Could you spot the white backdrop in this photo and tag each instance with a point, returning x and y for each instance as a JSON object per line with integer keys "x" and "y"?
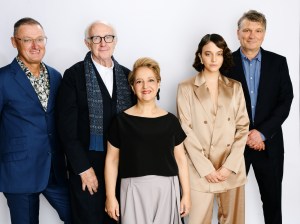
{"x": 169, "y": 31}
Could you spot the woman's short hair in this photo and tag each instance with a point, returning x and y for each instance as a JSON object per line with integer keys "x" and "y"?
{"x": 144, "y": 62}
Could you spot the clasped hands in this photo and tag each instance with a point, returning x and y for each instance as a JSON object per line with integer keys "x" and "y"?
{"x": 218, "y": 175}
{"x": 255, "y": 140}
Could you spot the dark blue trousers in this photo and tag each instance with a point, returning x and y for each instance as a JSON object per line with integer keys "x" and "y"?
{"x": 24, "y": 207}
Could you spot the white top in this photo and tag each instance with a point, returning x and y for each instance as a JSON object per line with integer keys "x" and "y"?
{"x": 107, "y": 75}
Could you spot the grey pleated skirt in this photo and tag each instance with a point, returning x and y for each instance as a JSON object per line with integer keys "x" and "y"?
{"x": 150, "y": 200}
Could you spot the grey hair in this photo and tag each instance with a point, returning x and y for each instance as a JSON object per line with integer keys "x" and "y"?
{"x": 25, "y": 21}
{"x": 253, "y": 16}
{"x": 88, "y": 28}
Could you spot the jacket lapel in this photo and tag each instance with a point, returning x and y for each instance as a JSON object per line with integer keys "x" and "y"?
{"x": 225, "y": 95}
{"x": 264, "y": 79}
{"x": 52, "y": 90}
{"x": 21, "y": 78}
{"x": 202, "y": 94}
{"x": 240, "y": 76}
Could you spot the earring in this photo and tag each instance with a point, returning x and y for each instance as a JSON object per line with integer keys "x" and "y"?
{"x": 157, "y": 94}
{"x": 132, "y": 90}
{"x": 200, "y": 59}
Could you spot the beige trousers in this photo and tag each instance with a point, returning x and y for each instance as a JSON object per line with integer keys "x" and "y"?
{"x": 231, "y": 207}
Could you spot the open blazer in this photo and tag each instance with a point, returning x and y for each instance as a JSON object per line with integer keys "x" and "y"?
{"x": 274, "y": 99}
{"x": 213, "y": 140}
{"x": 28, "y": 142}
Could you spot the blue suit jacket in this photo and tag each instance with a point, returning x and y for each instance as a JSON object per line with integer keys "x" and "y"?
{"x": 28, "y": 145}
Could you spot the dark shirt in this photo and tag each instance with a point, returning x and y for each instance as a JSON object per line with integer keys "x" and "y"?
{"x": 146, "y": 144}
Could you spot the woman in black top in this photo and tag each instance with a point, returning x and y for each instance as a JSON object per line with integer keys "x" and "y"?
{"x": 145, "y": 147}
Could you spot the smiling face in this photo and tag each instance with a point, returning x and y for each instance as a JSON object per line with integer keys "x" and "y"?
{"x": 32, "y": 53}
{"x": 251, "y": 35}
{"x": 211, "y": 57}
{"x": 103, "y": 51}
{"x": 145, "y": 84}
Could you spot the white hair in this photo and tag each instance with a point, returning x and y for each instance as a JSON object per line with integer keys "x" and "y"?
{"x": 88, "y": 28}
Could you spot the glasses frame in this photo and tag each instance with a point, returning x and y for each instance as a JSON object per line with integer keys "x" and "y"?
{"x": 102, "y": 38}
{"x": 31, "y": 40}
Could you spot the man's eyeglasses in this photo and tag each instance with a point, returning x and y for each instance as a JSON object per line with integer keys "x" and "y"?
{"x": 41, "y": 41}
{"x": 98, "y": 39}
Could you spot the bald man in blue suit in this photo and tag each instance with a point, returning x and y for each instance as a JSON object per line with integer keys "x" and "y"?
{"x": 30, "y": 160}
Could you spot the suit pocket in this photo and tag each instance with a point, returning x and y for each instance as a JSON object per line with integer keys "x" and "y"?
{"x": 14, "y": 156}
{"x": 15, "y": 150}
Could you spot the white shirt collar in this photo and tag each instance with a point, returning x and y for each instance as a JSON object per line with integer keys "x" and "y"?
{"x": 106, "y": 74}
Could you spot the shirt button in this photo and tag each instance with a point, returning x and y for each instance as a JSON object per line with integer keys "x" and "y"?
{"x": 205, "y": 122}
{"x": 228, "y": 145}
{"x": 228, "y": 119}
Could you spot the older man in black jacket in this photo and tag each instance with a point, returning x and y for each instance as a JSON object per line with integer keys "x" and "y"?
{"x": 91, "y": 93}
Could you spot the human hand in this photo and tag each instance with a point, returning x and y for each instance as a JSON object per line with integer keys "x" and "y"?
{"x": 224, "y": 173}
{"x": 213, "y": 177}
{"x": 185, "y": 205}
{"x": 89, "y": 180}
{"x": 255, "y": 140}
{"x": 259, "y": 147}
{"x": 112, "y": 208}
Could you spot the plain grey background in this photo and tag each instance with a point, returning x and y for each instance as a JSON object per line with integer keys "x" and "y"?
{"x": 168, "y": 31}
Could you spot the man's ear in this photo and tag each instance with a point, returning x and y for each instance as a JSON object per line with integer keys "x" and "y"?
{"x": 88, "y": 44}
{"x": 13, "y": 42}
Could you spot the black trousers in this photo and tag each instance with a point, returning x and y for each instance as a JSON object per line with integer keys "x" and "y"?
{"x": 268, "y": 171}
{"x": 87, "y": 208}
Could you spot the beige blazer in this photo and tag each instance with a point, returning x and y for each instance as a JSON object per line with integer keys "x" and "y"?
{"x": 213, "y": 139}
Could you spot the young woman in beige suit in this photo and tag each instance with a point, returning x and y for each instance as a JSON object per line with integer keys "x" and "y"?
{"x": 212, "y": 112}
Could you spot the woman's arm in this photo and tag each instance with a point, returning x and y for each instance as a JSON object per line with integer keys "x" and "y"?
{"x": 110, "y": 175}
{"x": 181, "y": 161}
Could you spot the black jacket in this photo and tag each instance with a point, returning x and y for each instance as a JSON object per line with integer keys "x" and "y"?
{"x": 73, "y": 115}
{"x": 275, "y": 95}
